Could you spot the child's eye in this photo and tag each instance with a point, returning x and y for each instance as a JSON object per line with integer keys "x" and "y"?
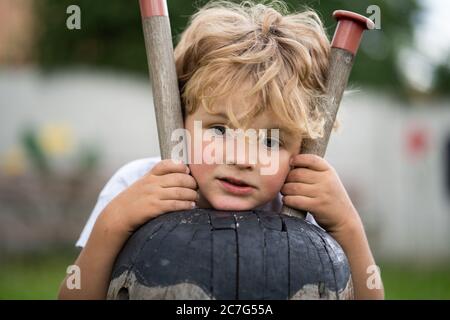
{"x": 218, "y": 130}
{"x": 271, "y": 142}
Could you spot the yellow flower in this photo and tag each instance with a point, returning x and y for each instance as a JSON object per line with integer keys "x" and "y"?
{"x": 56, "y": 139}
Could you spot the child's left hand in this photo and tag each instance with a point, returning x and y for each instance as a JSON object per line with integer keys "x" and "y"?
{"x": 313, "y": 185}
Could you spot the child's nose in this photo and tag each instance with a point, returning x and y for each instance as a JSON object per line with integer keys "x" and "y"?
{"x": 244, "y": 156}
{"x": 241, "y": 163}
{"x": 245, "y": 165}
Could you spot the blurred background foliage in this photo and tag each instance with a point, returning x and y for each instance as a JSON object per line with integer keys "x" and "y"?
{"x": 111, "y": 37}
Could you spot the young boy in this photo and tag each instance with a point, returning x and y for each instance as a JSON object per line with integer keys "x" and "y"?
{"x": 239, "y": 66}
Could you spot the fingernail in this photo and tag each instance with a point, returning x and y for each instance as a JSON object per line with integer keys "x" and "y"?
{"x": 193, "y": 204}
{"x": 187, "y": 170}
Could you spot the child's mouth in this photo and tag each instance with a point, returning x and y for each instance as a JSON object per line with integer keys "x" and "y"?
{"x": 235, "y": 186}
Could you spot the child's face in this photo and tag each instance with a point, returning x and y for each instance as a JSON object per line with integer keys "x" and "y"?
{"x": 260, "y": 189}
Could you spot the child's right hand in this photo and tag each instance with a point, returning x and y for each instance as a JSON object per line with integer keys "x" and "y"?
{"x": 167, "y": 187}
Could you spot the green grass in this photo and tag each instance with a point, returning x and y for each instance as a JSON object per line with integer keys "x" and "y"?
{"x": 35, "y": 276}
{"x": 38, "y": 276}
{"x": 409, "y": 282}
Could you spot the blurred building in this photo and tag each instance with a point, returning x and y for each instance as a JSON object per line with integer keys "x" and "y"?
{"x": 394, "y": 160}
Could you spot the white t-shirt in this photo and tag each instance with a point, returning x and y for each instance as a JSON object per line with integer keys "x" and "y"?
{"x": 126, "y": 176}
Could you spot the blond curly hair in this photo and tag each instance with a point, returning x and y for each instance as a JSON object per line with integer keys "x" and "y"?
{"x": 283, "y": 56}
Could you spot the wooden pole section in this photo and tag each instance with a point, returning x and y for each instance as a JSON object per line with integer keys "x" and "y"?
{"x": 344, "y": 46}
{"x": 161, "y": 63}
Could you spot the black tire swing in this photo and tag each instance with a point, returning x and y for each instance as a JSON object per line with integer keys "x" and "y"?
{"x": 208, "y": 254}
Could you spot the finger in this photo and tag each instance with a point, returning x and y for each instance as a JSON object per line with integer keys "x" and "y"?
{"x": 178, "y": 193}
{"x": 176, "y": 205}
{"x": 169, "y": 166}
{"x": 299, "y": 189}
{"x": 308, "y": 160}
{"x": 303, "y": 175}
{"x": 299, "y": 202}
{"x": 178, "y": 180}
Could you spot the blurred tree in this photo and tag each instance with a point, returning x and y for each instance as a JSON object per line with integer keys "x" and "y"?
{"x": 111, "y": 35}
{"x": 376, "y": 64}
{"x": 442, "y": 77}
